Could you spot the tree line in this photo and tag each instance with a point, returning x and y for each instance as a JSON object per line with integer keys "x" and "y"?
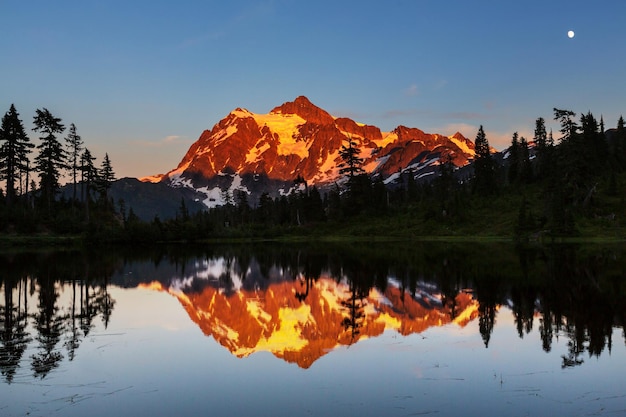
{"x": 552, "y": 183}
{"x": 28, "y": 205}
{"x": 575, "y": 174}
{"x": 548, "y": 184}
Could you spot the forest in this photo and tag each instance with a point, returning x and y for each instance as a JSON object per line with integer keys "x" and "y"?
{"x": 571, "y": 186}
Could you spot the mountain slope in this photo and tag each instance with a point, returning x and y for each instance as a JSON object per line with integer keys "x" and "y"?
{"x": 266, "y": 152}
{"x": 154, "y": 200}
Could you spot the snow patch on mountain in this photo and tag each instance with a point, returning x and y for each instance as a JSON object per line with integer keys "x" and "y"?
{"x": 256, "y": 153}
{"x": 214, "y": 196}
{"x": 392, "y": 178}
{"x": 388, "y": 138}
{"x": 286, "y": 127}
{"x": 462, "y": 145}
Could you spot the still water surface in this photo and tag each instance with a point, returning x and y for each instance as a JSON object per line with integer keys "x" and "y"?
{"x": 367, "y": 330}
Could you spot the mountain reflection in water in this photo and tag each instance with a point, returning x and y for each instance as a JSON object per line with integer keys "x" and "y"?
{"x": 302, "y": 303}
{"x": 301, "y": 329}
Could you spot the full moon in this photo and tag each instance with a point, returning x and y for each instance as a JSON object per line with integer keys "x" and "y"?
{"x": 570, "y": 34}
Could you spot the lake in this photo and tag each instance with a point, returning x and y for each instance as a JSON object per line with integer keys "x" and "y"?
{"x": 368, "y": 329}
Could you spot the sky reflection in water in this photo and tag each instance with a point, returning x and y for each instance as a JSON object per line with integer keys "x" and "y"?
{"x": 152, "y": 359}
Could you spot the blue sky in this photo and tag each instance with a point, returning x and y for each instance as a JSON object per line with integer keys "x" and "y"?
{"x": 142, "y": 79}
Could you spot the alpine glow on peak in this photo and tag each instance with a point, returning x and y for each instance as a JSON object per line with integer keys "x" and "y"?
{"x": 297, "y": 139}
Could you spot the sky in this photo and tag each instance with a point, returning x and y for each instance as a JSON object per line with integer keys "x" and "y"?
{"x": 142, "y": 79}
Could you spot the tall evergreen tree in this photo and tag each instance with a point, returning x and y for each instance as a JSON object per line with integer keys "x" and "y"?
{"x": 550, "y": 139}
{"x": 314, "y": 206}
{"x": 265, "y": 210}
{"x": 14, "y": 149}
{"x": 106, "y": 176}
{"x": 52, "y": 157}
{"x": 443, "y": 185}
{"x": 242, "y": 205}
{"x": 88, "y": 173}
{"x": 88, "y": 177}
{"x": 358, "y": 183}
{"x": 351, "y": 162}
{"x": 74, "y": 145}
{"x": 575, "y": 164}
{"x": 619, "y": 143}
{"x": 568, "y": 125}
{"x": 514, "y": 159}
{"x": 543, "y": 148}
{"x": 484, "y": 166}
{"x": 594, "y": 142}
{"x": 601, "y": 124}
{"x": 525, "y": 169}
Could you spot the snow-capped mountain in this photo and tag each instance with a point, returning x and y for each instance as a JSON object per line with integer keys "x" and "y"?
{"x": 300, "y": 321}
{"x": 266, "y": 152}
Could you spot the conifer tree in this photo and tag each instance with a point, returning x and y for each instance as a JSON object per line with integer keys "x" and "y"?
{"x": 265, "y": 210}
{"x": 514, "y": 158}
{"x": 74, "y": 145}
{"x": 601, "y": 124}
{"x": 183, "y": 211}
{"x": 314, "y": 205}
{"x": 619, "y": 144}
{"x": 594, "y": 142}
{"x": 358, "y": 183}
{"x": 52, "y": 157}
{"x": 443, "y": 185}
{"x": 88, "y": 173}
{"x": 88, "y": 176}
{"x": 525, "y": 169}
{"x": 351, "y": 162}
{"x": 568, "y": 125}
{"x": 484, "y": 166}
{"x": 543, "y": 148}
{"x": 14, "y": 149}
{"x": 106, "y": 176}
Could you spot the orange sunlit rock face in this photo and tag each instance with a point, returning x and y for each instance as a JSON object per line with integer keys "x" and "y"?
{"x": 300, "y": 139}
{"x": 275, "y": 320}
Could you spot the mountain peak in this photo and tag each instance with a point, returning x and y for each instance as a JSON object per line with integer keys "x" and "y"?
{"x": 264, "y": 153}
{"x": 303, "y": 107}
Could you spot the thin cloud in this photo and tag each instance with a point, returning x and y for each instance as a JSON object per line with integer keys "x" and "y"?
{"x": 497, "y": 139}
{"x": 412, "y": 91}
{"x": 171, "y": 140}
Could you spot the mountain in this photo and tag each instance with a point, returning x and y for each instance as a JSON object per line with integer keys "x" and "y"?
{"x": 301, "y": 321}
{"x": 148, "y": 200}
{"x": 260, "y": 153}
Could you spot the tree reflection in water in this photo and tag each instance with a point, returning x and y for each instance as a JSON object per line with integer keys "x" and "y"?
{"x": 45, "y": 274}
{"x": 574, "y": 292}
{"x": 15, "y": 337}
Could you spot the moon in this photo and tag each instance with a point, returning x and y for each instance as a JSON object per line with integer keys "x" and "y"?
{"x": 570, "y": 34}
